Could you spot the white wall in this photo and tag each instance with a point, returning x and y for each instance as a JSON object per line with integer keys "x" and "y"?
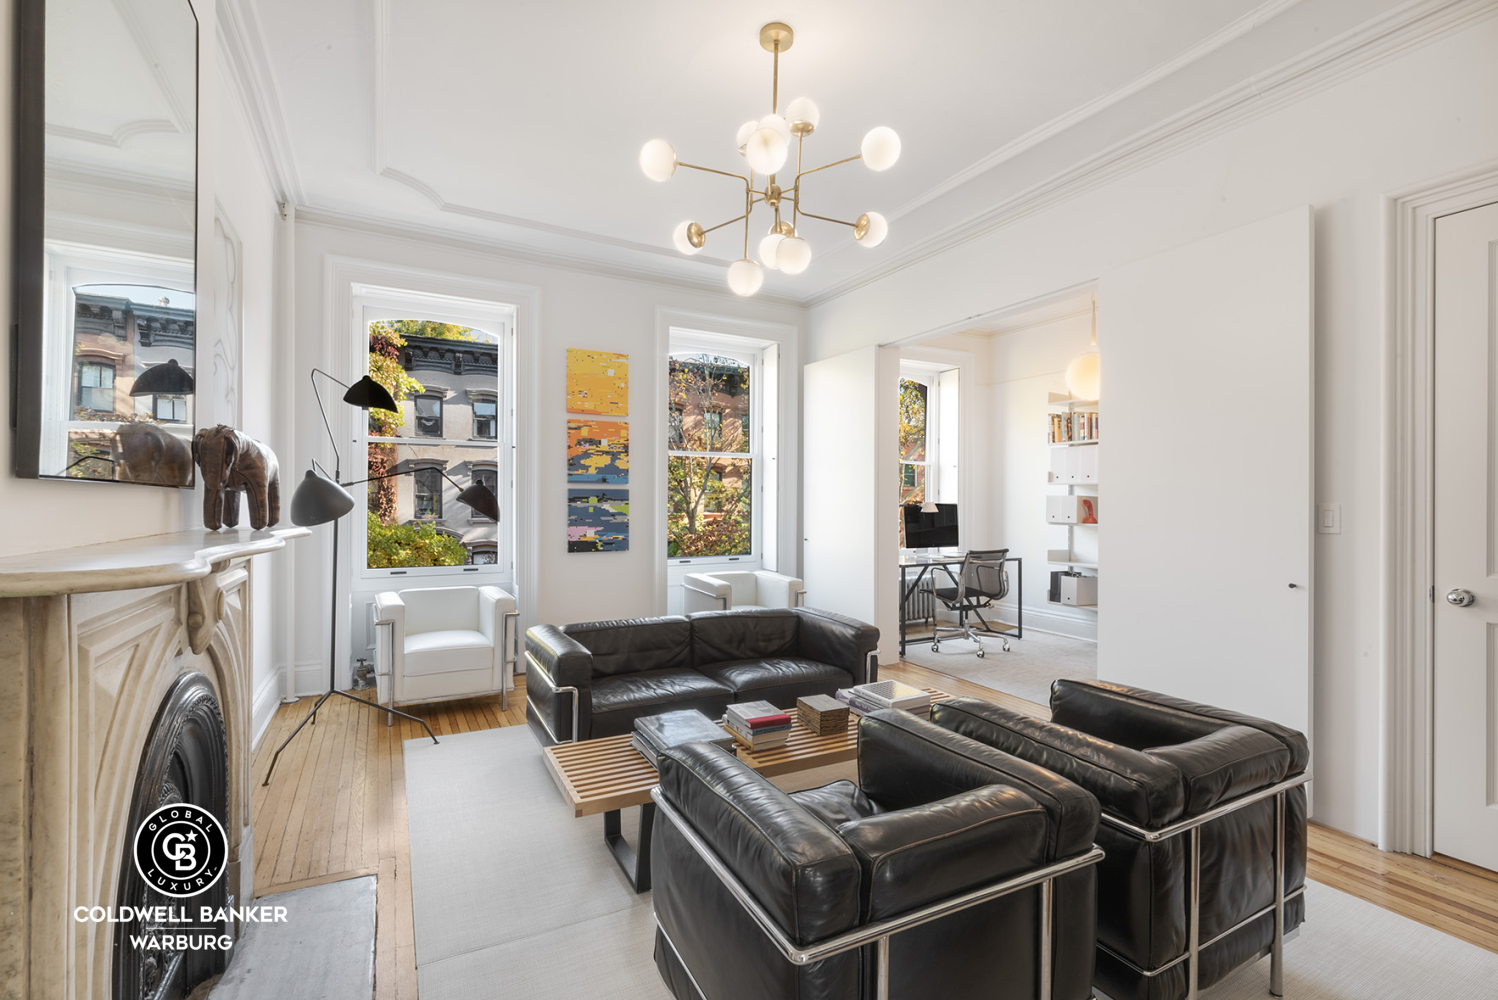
{"x": 574, "y": 308}
{"x": 1428, "y": 113}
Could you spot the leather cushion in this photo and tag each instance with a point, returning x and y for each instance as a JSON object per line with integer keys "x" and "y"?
{"x": 1135, "y": 786}
{"x": 777, "y": 679}
{"x": 832, "y": 638}
{"x": 447, "y": 651}
{"x": 633, "y": 645}
{"x": 742, "y": 634}
{"x": 1223, "y": 765}
{"x": 911, "y": 857}
{"x": 654, "y": 689}
{"x": 836, "y": 803}
{"x": 1121, "y": 713}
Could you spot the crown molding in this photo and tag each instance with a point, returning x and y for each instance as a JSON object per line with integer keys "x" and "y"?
{"x": 490, "y": 248}
{"x": 1370, "y": 44}
{"x": 246, "y": 65}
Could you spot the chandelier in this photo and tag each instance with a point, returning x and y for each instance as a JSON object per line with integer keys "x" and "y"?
{"x": 765, "y": 144}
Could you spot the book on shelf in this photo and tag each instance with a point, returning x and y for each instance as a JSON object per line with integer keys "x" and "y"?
{"x": 1070, "y": 428}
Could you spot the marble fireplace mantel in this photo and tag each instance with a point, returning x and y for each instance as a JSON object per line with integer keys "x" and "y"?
{"x": 91, "y": 640}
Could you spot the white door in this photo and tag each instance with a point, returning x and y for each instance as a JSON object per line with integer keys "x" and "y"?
{"x": 1204, "y": 534}
{"x": 1466, "y": 542}
{"x": 850, "y": 491}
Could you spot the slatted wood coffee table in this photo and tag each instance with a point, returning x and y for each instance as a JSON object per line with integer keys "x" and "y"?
{"x": 607, "y": 775}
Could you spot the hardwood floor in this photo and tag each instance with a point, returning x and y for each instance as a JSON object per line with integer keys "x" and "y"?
{"x": 336, "y": 809}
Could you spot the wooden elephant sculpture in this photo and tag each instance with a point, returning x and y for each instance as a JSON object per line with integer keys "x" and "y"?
{"x": 149, "y": 453}
{"x": 234, "y": 463}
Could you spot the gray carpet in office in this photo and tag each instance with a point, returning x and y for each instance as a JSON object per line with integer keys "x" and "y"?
{"x": 514, "y": 898}
{"x": 1026, "y": 671}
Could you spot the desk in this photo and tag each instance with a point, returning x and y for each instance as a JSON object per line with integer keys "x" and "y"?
{"x": 924, "y": 565}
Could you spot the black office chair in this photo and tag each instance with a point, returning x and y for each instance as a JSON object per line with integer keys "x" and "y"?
{"x": 981, "y": 581}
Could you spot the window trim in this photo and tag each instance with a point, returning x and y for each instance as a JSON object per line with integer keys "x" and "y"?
{"x": 752, "y": 352}
{"x": 371, "y": 303}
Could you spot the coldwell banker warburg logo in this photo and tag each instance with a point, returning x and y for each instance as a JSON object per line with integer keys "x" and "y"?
{"x": 181, "y": 850}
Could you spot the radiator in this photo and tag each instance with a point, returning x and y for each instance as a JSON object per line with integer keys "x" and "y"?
{"x": 921, "y": 605}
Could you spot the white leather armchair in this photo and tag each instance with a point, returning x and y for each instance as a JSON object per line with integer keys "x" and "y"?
{"x": 437, "y": 643}
{"x": 740, "y": 589}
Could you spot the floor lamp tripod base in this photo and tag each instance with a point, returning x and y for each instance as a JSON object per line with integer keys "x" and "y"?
{"x": 333, "y": 682}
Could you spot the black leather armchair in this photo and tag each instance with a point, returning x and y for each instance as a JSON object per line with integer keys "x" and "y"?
{"x": 593, "y": 679}
{"x": 950, "y": 870}
{"x": 1204, "y": 827}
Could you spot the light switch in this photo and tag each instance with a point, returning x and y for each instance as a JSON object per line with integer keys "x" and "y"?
{"x": 1329, "y": 518}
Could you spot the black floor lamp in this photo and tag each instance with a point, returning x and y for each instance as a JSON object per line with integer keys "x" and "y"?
{"x": 320, "y": 500}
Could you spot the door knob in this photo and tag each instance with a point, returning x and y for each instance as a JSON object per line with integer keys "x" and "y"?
{"x": 1461, "y": 598}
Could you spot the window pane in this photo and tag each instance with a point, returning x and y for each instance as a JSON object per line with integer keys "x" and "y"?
{"x": 708, "y": 507}
{"x": 485, "y": 418}
{"x": 96, "y": 387}
{"x": 428, "y": 416}
{"x": 912, "y": 421}
{"x": 489, "y": 478}
{"x": 428, "y": 483}
{"x": 711, "y": 395}
{"x": 912, "y": 483}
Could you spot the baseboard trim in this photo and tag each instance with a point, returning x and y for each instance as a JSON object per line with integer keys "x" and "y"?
{"x": 309, "y": 677}
{"x": 1073, "y": 625}
{"x": 263, "y": 706}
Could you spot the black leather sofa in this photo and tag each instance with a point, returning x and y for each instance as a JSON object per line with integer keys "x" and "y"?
{"x": 613, "y": 672}
{"x": 1159, "y": 765}
{"x": 934, "y": 816}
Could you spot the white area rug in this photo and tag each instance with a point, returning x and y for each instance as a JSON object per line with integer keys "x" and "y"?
{"x": 1026, "y": 671}
{"x": 514, "y": 898}
{"x": 324, "y": 950}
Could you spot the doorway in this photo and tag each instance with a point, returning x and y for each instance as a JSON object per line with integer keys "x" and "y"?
{"x": 1465, "y": 546}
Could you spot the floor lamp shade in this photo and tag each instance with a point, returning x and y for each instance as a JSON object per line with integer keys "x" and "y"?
{"x": 367, "y": 394}
{"x": 168, "y": 378}
{"x": 482, "y": 499}
{"x": 319, "y": 500}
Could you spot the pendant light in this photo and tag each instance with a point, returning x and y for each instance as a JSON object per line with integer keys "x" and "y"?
{"x": 1082, "y": 373}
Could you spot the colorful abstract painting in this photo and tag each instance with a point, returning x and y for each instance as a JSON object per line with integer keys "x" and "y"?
{"x": 597, "y": 451}
{"x": 597, "y": 382}
{"x": 597, "y": 520}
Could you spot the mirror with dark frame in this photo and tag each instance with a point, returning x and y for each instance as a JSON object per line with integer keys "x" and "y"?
{"x": 104, "y": 353}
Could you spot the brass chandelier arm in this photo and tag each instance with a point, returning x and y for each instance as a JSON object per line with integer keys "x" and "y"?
{"x": 710, "y": 170}
{"x": 736, "y": 218}
{"x": 824, "y": 218}
{"x": 834, "y": 163}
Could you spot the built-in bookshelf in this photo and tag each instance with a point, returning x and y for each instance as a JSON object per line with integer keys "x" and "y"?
{"x": 1072, "y": 435}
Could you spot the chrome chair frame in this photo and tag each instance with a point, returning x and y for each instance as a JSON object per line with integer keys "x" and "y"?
{"x": 509, "y": 629}
{"x": 1193, "y": 828}
{"x": 879, "y": 933}
{"x": 534, "y": 664}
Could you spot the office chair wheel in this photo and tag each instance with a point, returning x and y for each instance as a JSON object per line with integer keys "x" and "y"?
{"x": 936, "y": 647}
{"x": 980, "y": 651}
{"x": 1006, "y": 645}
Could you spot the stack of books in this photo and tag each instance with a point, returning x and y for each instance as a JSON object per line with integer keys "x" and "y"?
{"x": 758, "y": 725}
{"x": 822, "y": 715}
{"x": 866, "y": 698}
{"x": 655, "y": 734}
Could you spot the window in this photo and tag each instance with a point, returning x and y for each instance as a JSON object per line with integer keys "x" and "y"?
{"x": 711, "y": 470}
{"x": 485, "y": 419}
{"x": 170, "y": 409}
{"x": 485, "y": 477}
{"x": 413, "y": 525}
{"x": 429, "y": 416}
{"x": 428, "y": 485}
{"x": 96, "y": 386}
{"x": 914, "y": 452}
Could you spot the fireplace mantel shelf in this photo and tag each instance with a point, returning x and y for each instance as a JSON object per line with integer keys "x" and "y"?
{"x": 152, "y": 561}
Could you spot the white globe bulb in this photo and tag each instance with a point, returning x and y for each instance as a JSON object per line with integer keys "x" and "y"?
{"x": 767, "y": 250}
{"x": 877, "y": 230}
{"x": 793, "y": 255}
{"x": 1082, "y": 376}
{"x": 880, "y": 148}
{"x": 745, "y": 277}
{"x": 766, "y": 151}
{"x": 745, "y": 131}
{"x": 658, "y": 159}
{"x": 679, "y": 237}
{"x": 804, "y": 109}
{"x": 777, "y": 123}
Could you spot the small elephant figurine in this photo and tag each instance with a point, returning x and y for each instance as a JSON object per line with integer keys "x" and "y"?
{"x": 151, "y": 454}
{"x": 234, "y": 463}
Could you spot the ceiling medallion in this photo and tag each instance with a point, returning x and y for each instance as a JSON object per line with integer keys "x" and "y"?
{"x": 766, "y": 144}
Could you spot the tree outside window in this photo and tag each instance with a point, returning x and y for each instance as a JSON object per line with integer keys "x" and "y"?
{"x": 914, "y": 462}
{"x": 709, "y": 476}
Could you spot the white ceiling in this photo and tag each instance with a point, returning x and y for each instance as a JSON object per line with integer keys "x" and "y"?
{"x": 522, "y": 121}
